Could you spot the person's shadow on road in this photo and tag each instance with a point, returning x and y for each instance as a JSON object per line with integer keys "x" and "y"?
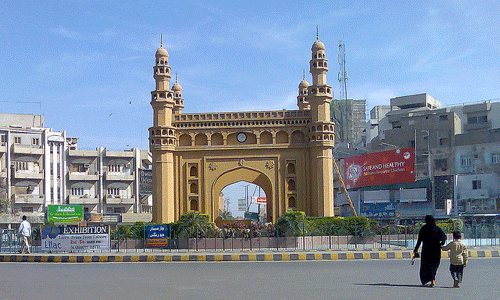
{"x": 399, "y": 285}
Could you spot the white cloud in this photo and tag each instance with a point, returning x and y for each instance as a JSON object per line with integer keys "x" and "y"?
{"x": 67, "y": 33}
{"x": 103, "y": 35}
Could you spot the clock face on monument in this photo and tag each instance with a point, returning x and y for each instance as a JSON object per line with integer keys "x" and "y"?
{"x": 241, "y": 137}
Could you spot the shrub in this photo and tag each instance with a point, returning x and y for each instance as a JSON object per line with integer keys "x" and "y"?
{"x": 291, "y": 222}
{"x": 194, "y": 224}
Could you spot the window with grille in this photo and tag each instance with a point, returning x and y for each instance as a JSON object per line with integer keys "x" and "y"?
{"x": 466, "y": 161}
{"x": 115, "y": 168}
{"x": 114, "y": 191}
{"x": 77, "y": 191}
{"x": 495, "y": 158}
{"x": 21, "y": 165}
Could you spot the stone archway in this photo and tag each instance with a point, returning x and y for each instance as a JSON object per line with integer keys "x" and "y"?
{"x": 242, "y": 174}
{"x": 288, "y": 153}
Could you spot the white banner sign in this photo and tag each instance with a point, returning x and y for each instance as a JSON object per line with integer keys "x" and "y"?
{"x": 75, "y": 239}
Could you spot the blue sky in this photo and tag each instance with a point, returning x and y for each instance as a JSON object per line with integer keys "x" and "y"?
{"x": 89, "y": 63}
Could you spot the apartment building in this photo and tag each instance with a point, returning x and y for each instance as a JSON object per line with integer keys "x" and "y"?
{"x": 40, "y": 167}
{"x": 106, "y": 181}
{"x": 457, "y": 152}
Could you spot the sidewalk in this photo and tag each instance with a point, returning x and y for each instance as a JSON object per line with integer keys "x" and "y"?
{"x": 226, "y": 256}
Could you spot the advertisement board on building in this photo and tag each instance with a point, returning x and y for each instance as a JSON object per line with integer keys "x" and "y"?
{"x": 259, "y": 200}
{"x": 380, "y": 168}
{"x": 75, "y": 238}
{"x": 146, "y": 182}
{"x": 378, "y": 210}
{"x": 157, "y": 235}
{"x": 64, "y": 214}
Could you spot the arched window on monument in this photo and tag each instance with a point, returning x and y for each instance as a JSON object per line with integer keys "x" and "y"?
{"x": 217, "y": 139}
{"x": 193, "y": 188}
{"x": 281, "y": 137}
{"x": 193, "y": 205}
{"x": 266, "y": 138}
{"x": 298, "y": 137}
{"x": 200, "y": 140}
{"x": 291, "y": 202}
{"x": 193, "y": 171}
{"x": 185, "y": 140}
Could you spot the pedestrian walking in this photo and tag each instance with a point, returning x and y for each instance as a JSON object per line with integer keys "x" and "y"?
{"x": 458, "y": 258}
{"x": 432, "y": 239}
{"x": 25, "y": 232}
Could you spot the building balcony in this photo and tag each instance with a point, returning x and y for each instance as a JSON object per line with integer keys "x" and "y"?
{"x": 112, "y": 199}
{"x": 3, "y": 147}
{"x": 28, "y": 199}
{"x": 476, "y": 194}
{"x": 480, "y": 107}
{"x": 27, "y": 149}
{"x": 83, "y": 176}
{"x": 83, "y": 153}
{"x": 129, "y": 154}
{"x": 477, "y": 126}
{"x": 83, "y": 200}
{"x": 116, "y": 176}
{"x": 21, "y": 174}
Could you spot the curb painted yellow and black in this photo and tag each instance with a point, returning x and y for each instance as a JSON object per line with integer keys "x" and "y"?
{"x": 348, "y": 255}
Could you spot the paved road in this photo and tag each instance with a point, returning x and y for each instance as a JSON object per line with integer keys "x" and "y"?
{"x": 361, "y": 279}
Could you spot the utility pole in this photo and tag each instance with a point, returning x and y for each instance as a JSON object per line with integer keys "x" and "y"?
{"x": 342, "y": 77}
{"x": 342, "y": 184}
{"x": 429, "y": 168}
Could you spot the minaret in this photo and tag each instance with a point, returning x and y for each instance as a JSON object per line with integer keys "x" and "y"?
{"x": 162, "y": 141}
{"x": 302, "y": 102}
{"x": 321, "y": 133}
{"x": 179, "y": 102}
{"x": 319, "y": 92}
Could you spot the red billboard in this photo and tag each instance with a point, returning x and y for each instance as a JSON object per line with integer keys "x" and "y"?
{"x": 380, "y": 168}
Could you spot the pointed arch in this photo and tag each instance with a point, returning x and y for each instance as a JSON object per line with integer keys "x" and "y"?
{"x": 200, "y": 140}
{"x": 242, "y": 174}
{"x": 281, "y": 137}
{"x": 298, "y": 137}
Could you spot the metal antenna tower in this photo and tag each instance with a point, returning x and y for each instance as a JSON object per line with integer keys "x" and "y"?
{"x": 342, "y": 76}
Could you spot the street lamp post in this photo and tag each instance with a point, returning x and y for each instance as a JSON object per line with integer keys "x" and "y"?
{"x": 429, "y": 166}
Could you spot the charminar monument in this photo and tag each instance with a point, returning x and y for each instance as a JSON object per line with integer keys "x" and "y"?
{"x": 288, "y": 153}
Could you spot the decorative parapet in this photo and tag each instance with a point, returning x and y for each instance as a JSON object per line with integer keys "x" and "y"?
{"x": 243, "y": 119}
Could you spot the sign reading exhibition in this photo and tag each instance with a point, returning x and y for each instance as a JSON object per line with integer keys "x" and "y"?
{"x": 75, "y": 238}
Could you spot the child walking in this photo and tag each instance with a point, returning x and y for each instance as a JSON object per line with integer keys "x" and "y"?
{"x": 458, "y": 258}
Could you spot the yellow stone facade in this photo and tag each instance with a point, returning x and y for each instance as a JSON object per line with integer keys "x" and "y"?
{"x": 288, "y": 153}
